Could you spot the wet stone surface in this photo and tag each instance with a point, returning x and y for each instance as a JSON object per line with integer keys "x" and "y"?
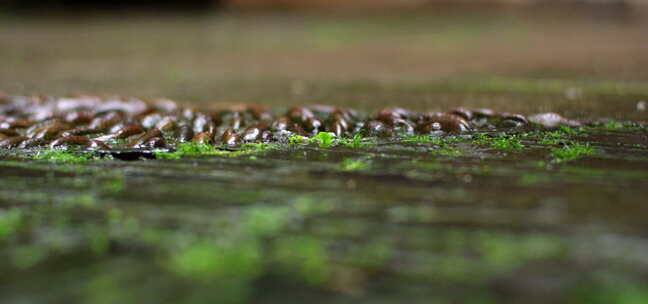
{"x": 247, "y": 204}
{"x": 93, "y": 123}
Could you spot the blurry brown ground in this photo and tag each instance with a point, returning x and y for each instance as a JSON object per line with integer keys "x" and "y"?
{"x": 340, "y": 57}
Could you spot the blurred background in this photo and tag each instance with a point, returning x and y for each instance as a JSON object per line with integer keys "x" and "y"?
{"x": 585, "y": 57}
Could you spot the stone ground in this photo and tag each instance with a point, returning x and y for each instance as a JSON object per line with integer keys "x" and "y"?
{"x": 523, "y": 215}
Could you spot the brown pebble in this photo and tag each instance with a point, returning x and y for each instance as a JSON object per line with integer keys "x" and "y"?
{"x": 50, "y": 131}
{"x": 512, "y": 120}
{"x": 82, "y": 131}
{"x": 167, "y": 124}
{"x": 448, "y": 123}
{"x": 203, "y": 138}
{"x": 144, "y": 138}
{"x": 96, "y": 144}
{"x": 299, "y": 114}
{"x": 79, "y": 117}
{"x": 463, "y": 112}
{"x": 230, "y": 138}
{"x": 155, "y": 142}
{"x": 552, "y": 120}
{"x": 260, "y": 112}
{"x": 70, "y": 140}
{"x": 251, "y": 134}
{"x": 184, "y": 133}
{"x": 149, "y": 121}
{"x": 483, "y": 113}
{"x": 106, "y": 121}
{"x": 403, "y": 126}
{"x": 128, "y": 131}
{"x": 202, "y": 123}
{"x": 266, "y": 136}
{"x": 388, "y": 115}
{"x": 8, "y": 132}
{"x": 33, "y": 142}
{"x": 16, "y": 124}
{"x": 280, "y": 124}
{"x": 313, "y": 125}
{"x": 297, "y": 128}
{"x": 12, "y": 142}
{"x": 337, "y": 128}
{"x": 375, "y": 128}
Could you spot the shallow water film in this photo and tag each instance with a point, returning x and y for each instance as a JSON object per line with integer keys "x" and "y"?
{"x": 492, "y": 208}
{"x": 446, "y": 174}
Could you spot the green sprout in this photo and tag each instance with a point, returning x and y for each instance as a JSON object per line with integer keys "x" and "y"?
{"x": 324, "y": 139}
{"x": 571, "y": 152}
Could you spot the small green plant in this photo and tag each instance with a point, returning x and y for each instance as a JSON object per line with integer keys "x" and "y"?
{"x": 613, "y": 125}
{"x": 349, "y": 164}
{"x": 568, "y": 130}
{"x": 65, "y": 157}
{"x": 324, "y": 139}
{"x": 571, "y": 152}
{"x": 297, "y": 139}
{"x": 357, "y": 141}
{"x": 552, "y": 138}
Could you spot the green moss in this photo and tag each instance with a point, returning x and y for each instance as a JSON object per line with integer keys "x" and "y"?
{"x": 83, "y": 200}
{"x": 447, "y": 150}
{"x": 508, "y": 251}
{"x": 610, "y": 288}
{"x": 530, "y": 179}
{"x": 429, "y": 139}
{"x": 423, "y": 139}
{"x": 206, "y": 260}
{"x": 614, "y": 125}
{"x": 187, "y": 149}
{"x": 304, "y": 256}
{"x": 266, "y": 220}
{"x": 197, "y": 149}
{"x": 114, "y": 186}
{"x": 10, "y": 220}
{"x": 553, "y": 137}
{"x": 307, "y": 206}
{"x": 507, "y": 143}
{"x": 349, "y": 164}
{"x": 65, "y": 157}
{"x": 571, "y": 152}
{"x": 24, "y": 257}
